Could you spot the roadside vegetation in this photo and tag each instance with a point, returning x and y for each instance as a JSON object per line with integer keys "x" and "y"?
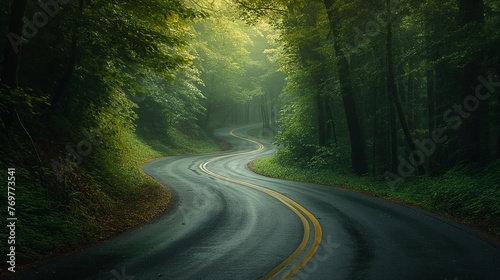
{"x": 99, "y": 89}
{"x": 349, "y": 87}
{"x": 395, "y": 98}
{"x": 104, "y": 195}
{"x": 466, "y": 193}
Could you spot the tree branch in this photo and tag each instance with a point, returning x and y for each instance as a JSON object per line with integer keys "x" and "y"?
{"x": 259, "y": 9}
{"x": 202, "y": 7}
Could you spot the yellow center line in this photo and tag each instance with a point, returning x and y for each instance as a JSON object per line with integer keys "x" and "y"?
{"x": 294, "y": 206}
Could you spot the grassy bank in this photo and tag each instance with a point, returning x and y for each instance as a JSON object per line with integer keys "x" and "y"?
{"x": 106, "y": 193}
{"x": 467, "y": 194}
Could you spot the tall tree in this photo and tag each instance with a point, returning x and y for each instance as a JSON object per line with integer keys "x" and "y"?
{"x": 471, "y": 20}
{"x": 60, "y": 98}
{"x": 357, "y": 140}
{"x": 12, "y": 52}
{"x": 391, "y": 83}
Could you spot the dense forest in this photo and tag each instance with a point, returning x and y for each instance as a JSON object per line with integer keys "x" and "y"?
{"x": 388, "y": 91}
{"x": 414, "y": 82}
{"x": 405, "y": 94}
{"x": 91, "y": 90}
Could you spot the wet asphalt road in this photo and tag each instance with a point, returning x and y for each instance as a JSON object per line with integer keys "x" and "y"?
{"x": 235, "y": 224}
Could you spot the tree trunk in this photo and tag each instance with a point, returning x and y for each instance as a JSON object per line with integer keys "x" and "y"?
{"x": 393, "y": 90}
{"x": 234, "y": 117}
{"x": 357, "y": 140}
{"x": 12, "y": 49}
{"x": 273, "y": 115}
{"x": 432, "y": 116}
{"x": 330, "y": 125}
{"x": 321, "y": 120}
{"x": 497, "y": 124}
{"x": 61, "y": 99}
{"x": 394, "y": 136}
{"x": 411, "y": 98}
{"x": 431, "y": 94}
{"x": 385, "y": 135}
{"x": 265, "y": 113}
{"x": 471, "y": 11}
{"x": 208, "y": 114}
{"x": 446, "y": 90}
{"x": 374, "y": 131}
{"x": 247, "y": 112}
{"x": 12, "y": 52}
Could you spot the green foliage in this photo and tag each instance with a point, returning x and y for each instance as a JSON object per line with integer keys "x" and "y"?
{"x": 115, "y": 163}
{"x": 251, "y": 11}
{"x": 54, "y": 217}
{"x": 146, "y": 75}
{"x": 158, "y": 29}
{"x": 86, "y": 69}
{"x": 42, "y": 224}
{"x": 294, "y": 138}
{"x": 222, "y": 58}
{"x": 330, "y": 158}
{"x": 230, "y": 58}
{"x": 23, "y": 100}
{"x": 296, "y": 135}
{"x": 170, "y": 104}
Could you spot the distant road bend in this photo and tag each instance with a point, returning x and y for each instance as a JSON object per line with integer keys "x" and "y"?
{"x": 230, "y": 223}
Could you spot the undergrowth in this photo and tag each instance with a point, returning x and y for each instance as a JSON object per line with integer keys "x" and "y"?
{"x": 469, "y": 194}
{"x": 103, "y": 195}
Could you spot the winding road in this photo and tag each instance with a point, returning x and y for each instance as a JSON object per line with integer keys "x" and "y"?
{"x": 230, "y": 223}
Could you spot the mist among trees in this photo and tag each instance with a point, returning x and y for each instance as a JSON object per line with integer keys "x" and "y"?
{"x": 387, "y": 89}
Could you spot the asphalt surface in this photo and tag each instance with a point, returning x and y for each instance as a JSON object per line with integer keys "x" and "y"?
{"x": 227, "y": 222}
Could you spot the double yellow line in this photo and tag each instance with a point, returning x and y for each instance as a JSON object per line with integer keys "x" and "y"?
{"x": 294, "y": 206}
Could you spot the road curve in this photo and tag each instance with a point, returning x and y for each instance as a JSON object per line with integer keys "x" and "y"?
{"x": 227, "y": 222}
